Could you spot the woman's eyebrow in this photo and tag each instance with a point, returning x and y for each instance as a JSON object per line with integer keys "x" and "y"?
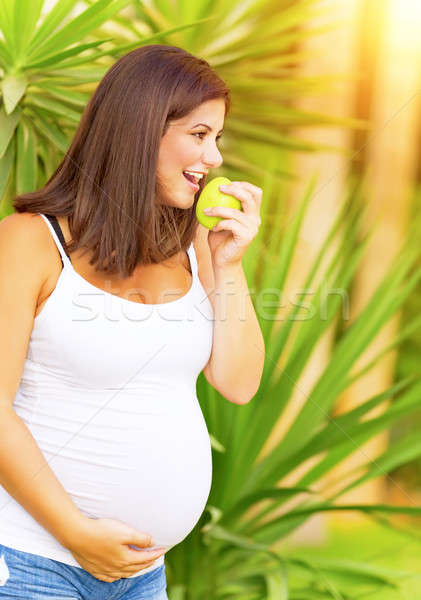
{"x": 204, "y": 125}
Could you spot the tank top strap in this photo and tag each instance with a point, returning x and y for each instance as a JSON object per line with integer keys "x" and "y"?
{"x": 58, "y": 237}
{"x": 193, "y": 260}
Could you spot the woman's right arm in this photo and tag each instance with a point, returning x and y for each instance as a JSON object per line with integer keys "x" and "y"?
{"x": 24, "y": 472}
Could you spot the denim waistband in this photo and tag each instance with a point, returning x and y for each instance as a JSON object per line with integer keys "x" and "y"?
{"x": 28, "y": 576}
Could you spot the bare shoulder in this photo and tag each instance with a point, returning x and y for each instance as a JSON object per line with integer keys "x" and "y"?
{"x": 23, "y": 267}
{"x": 21, "y": 225}
{"x": 25, "y": 245}
{"x": 26, "y": 229}
{"x": 204, "y": 260}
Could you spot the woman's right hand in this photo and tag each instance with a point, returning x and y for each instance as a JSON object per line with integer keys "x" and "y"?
{"x": 100, "y": 546}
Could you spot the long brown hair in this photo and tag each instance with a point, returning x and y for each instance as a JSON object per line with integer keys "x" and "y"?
{"x": 106, "y": 183}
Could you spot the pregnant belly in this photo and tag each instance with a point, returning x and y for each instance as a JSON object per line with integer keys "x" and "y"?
{"x": 147, "y": 463}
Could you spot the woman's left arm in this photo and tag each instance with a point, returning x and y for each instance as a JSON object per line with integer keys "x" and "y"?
{"x": 236, "y": 364}
{"x": 238, "y": 351}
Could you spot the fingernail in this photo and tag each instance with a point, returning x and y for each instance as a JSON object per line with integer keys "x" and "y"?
{"x": 207, "y": 210}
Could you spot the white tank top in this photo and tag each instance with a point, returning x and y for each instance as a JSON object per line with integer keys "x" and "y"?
{"x": 108, "y": 391}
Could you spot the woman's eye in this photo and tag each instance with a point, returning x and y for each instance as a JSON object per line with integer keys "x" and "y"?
{"x": 218, "y": 137}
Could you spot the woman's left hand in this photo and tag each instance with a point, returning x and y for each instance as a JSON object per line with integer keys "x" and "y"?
{"x": 231, "y": 237}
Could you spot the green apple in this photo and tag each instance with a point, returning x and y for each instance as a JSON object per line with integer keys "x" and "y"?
{"x": 212, "y": 196}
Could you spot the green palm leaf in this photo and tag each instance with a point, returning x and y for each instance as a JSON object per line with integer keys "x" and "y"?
{"x": 80, "y": 26}
{"x": 6, "y": 162}
{"x": 26, "y": 157}
{"x": 8, "y": 125}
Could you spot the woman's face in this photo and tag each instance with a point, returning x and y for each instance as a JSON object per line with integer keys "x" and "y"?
{"x": 188, "y": 145}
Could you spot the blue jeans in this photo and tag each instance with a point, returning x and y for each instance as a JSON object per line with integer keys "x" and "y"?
{"x": 27, "y": 576}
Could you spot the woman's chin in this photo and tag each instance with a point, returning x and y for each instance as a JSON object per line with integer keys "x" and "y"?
{"x": 183, "y": 201}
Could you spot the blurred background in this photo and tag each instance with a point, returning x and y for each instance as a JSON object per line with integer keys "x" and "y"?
{"x": 326, "y": 118}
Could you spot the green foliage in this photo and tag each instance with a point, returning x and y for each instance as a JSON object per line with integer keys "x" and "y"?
{"x": 407, "y": 364}
{"x": 393, "y": 553}
{"x": 38, "y": 111}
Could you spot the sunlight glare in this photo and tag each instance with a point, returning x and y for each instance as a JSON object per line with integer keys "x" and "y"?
{"x": 405, "y": 23}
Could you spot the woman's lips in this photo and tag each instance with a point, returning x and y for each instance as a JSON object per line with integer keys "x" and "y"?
{"x": 193, "y": 186}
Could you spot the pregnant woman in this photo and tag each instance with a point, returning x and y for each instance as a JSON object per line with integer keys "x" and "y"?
{"x": 112, "y": 300}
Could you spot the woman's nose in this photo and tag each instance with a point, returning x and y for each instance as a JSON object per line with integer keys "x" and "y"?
{"x": 213, "y": 159}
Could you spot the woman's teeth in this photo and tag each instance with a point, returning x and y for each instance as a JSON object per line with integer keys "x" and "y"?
{"x": 194, "y": 177}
